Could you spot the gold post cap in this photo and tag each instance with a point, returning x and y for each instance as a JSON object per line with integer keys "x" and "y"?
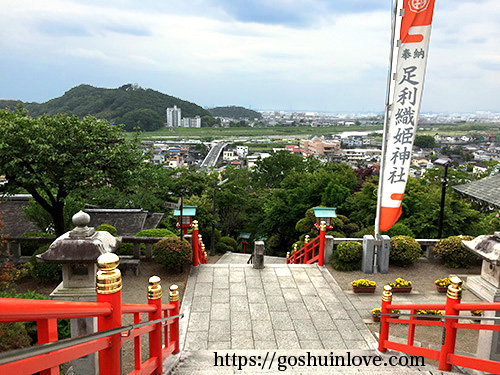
{"x": 387, "y": 294}
{"x": 174, "y": 293}
{"x": 306, "y": 240}
{"x": 154, "y": 287}
{"x": 195, "y": 224}
{"x": 288, "y": 254}
{"x": 323, "y": 225}
{"x": 455, "y": 288}
{"x": 199, "y": 236}
{"x": 108, "y": 277}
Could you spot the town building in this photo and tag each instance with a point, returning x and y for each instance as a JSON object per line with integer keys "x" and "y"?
{"x": 319, "y": 146}
{"x": 242, "y": 151}
{"x": 173, "y": 117}
{"x": 191, "y": 122}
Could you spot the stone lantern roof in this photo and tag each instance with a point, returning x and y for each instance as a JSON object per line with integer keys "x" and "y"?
{"x": 80, "y": 245}
{"x": 487, "y": 247}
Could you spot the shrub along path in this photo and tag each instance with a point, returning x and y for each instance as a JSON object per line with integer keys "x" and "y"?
{"x": 422, "y": 274}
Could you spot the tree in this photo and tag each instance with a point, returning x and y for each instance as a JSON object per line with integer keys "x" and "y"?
{"x": 51, "y": 157}
{"x": 425, "y": 141}
{"x": 144, "y": 119}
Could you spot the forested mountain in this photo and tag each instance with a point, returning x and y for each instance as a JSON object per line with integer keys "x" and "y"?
{"x": 235, "y": 112}
{"x": 129, "y": 104}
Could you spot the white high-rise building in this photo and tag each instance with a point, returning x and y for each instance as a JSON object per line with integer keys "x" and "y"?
{"x": 174, "y": 116}
{"x": 191, "y": 122}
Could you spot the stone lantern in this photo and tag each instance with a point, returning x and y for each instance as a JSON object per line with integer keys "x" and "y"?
{"x": 487, "y": 287}
{"x": 77, "y": 251}
{"x": 188, "y": 212}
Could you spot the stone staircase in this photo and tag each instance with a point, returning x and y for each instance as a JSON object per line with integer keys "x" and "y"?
{"x": 203, "y": 362}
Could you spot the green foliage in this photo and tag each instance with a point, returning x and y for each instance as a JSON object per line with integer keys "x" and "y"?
{"x": 221, "y": 248}
{"x": 399, "y": 229}
{"x": 492, "y": 223}
{"x": 425, "y": 141}
{"x": 231, "y": 242}
{"x": 350, "y": 229}
{"x": 155, "y": 233}
{"x": 44, "y": 272}
{"x": 143, "y": 119}
{"x": 13, "y": 336}
{"x": 52, "y": 157}
{"x": 404, "y": 251}
{"x": 344, "y": 218}
{"x": 452, "y": 253}
{"x": 28, "y": 248}
{"x": 304, "y": 225}
{"x": 235, "y": 112}
{"x": 334, "y": 195}
{"x": 126, "y": 248}
{"x": 172, "y": 253}
{"x": 336, "y": 234}
{"x": 107, "y": 228}
{"x": 350, "y": 251}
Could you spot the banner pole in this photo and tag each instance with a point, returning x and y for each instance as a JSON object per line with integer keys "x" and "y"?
{"x": 386, "y": 121}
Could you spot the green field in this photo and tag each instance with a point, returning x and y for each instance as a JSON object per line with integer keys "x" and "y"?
{"x": 270, "y": 131}
{"x": 288, "y": 132}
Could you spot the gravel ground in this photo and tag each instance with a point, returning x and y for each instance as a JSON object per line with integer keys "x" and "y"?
{"x": 422, "y": 275}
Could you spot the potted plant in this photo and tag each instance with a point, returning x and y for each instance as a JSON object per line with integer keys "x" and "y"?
{"x": 476, "y": 313}
{"x": 429, "y": 314}
{"x": 376, "y": 314}
{"x": 442, "y": 284}
{"x": 363, "y": 286}
{"x": 401, "y": 286}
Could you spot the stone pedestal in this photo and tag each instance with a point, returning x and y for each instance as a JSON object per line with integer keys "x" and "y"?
{"x": 383, "y": 254}
{"x": 258, "y": 255}
{"x": 489, "y": 341}
{"x": 328, "y": 249}
{"x": 368, "y": 253}
{"x": 79, "y": 286}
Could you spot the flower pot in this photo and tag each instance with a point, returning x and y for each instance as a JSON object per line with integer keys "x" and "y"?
{"x": 376, "y": 318}
{"x": 429, "y": 317}
{"x": 402, "y": 289}
{"x": 441, "y": 289}
{"x": 364, "y": 289}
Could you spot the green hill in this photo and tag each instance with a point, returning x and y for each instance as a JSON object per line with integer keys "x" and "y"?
{"x": 129, "y": 104}
{"x": 235, "y": 112}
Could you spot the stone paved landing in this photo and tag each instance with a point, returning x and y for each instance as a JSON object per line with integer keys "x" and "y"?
{"x": 233, "y": 306}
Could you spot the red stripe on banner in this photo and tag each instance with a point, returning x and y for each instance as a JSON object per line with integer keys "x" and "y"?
{"x": 389, "y": 216}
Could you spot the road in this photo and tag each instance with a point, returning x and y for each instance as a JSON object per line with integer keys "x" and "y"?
{"x": 213, "y": 156}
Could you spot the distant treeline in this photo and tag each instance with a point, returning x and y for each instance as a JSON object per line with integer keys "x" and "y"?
{"x": 235, "y": 112}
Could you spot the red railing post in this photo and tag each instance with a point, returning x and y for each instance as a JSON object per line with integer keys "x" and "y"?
{"x": 109, "y": 285}
{"x": 154, "y": 298}
{"x": 295, "y": 254}
{"x": 322, "y": 237}
{"x": 384, "y": 325}
{"x": 194, "y": 239}
{"x": 453, "y": 298}
{"x": 174, "y": 328}
{"x": 305, "y": 259}
{"x": 47, "y": 332}
{"x": 287, "y": 257}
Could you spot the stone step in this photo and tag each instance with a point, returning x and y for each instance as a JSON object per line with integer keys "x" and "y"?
{"x": 203, "y": 362}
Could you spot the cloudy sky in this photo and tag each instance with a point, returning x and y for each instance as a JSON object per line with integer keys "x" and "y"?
{"x": 265, "y": 54}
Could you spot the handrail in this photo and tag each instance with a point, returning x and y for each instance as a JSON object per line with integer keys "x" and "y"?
{"x": 20, "y": 354}
{"x": 449, "y": 321}
{"x": 15, "y": 310}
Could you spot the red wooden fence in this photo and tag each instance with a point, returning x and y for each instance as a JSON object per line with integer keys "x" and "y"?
{"x": 313, "y": 251}
{"x": 199, "y": 253}
{"x": 449, "y": 323}
{"x": 108, "y": 309}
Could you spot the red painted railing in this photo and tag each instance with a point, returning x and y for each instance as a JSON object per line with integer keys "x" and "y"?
{"x": 449, "y": 322}
{"x": 199, "y": 253}
{"x": 108, "y": 309}
{"x": 313, "y": 251}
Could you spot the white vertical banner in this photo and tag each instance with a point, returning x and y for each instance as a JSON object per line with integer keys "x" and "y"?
{"x": 403, "y": 115}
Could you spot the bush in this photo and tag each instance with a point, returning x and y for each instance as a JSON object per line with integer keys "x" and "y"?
{"x": 350, "y": 251}
{"x": 336, "y": 234}
{"x": 28, "y": 248}
{"x": 221, "y": 248}
{"x": 350, "y": 228}
{"x": 347, "y": 256}
{"x": 107, "y": 228}
{"x": 172, "y": 253}
{"x": 452, "y": 253}
{"x": 344, "y": 219}
{"x": 155, "y": 233}
{"x": 126, "y": 248}
{"x": 365, "y": 231}
{"x": 231, "y": 242}
{"x": 399, "y": 229}
{"x": 404, "y": 251}
{"x": 44, "y": 272}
